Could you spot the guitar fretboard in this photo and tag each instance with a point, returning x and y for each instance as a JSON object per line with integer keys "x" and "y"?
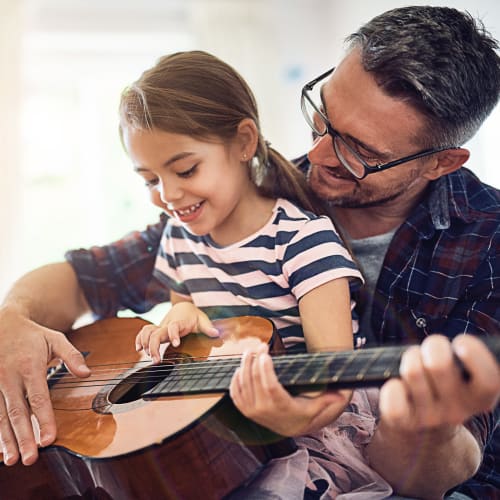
{"x": 297, "y": 372}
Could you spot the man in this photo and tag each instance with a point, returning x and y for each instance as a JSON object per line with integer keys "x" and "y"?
{"x": 415, "y": 85}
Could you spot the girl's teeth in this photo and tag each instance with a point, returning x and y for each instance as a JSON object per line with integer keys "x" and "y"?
{"x": 189, "y": 210}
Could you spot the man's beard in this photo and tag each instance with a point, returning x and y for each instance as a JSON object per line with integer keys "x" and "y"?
{"x": 356, "y": 202}
{"x": 359, "y": 198}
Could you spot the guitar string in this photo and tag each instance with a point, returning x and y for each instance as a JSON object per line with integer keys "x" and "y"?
{"x": 158, "y": 372}
{"x": 194, "y": 362}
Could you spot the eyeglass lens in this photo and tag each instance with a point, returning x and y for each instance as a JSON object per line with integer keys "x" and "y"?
{"x": 344, "y": 152}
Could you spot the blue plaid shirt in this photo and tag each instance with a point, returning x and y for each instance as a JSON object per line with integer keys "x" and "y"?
{"x": 441, "y": 274}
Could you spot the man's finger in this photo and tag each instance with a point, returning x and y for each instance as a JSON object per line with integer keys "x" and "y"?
{"x": 62, "y": 348}
{"x": 37, "y": 393}
{"x": 18, "y": 415}
{"x": 7, "y": 438}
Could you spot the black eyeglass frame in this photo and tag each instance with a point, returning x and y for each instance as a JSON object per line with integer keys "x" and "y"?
{"x": 368, "y": 169}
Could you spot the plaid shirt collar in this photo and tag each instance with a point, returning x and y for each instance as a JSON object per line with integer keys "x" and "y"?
{"x": 453, "y": 196}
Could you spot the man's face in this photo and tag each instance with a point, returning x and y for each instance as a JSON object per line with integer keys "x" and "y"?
{"x": 380, "y": 128}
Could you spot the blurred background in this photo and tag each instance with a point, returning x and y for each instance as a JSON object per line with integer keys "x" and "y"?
{"x": 65, "y": 181}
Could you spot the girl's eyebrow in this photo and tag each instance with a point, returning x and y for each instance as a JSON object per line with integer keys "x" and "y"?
{"x": 173, "y": 159}
{"x": 177, "y": 157}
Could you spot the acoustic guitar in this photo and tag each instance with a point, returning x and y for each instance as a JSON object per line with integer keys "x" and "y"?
{"x": 134, "y": 431}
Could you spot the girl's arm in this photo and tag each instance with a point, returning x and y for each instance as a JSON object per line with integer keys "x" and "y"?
{"x": 326, "y": 316}
{"x": 325, "y": 313}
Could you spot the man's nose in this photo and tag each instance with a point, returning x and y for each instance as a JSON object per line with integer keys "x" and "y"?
{"x": 322, "y": 151}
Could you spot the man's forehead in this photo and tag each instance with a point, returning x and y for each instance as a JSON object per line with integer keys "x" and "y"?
{"x": 358, "y": 107}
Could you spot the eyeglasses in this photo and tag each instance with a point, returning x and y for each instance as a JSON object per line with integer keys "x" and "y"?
{"x": 351, "y": 159}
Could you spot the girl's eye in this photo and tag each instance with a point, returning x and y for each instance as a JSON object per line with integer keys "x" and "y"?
{"x": 187, "y": 173}
{"x": 151, "y": 183}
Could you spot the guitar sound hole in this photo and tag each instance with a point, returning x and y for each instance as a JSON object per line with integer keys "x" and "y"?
{"x": 137, "y": 383}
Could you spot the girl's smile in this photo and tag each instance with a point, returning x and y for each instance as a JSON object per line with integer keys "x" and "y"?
{"x": 186, "y": 214}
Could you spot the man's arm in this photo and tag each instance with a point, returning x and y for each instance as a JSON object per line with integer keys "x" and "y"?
{"x": 40, "y": 305}
{"x": 421, "y": 446}
{"x": 49, "y": 296}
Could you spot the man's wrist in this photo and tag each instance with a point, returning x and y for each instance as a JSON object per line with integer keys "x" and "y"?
{"x": 17, "y": 307}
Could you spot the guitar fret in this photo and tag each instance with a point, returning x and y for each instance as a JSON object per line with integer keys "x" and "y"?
{"x": 165, "y": 386}
{"x": 361, "y": 374}
{"x": 284, "y": 367}
{"x": 321, "y": 367}
{"x": 219, "y": 376}
{"x": 191, "y": 378}
{"x": 203, "y": 377}
{"x": 307, "y": 368}
{"x": 351, "y": 357}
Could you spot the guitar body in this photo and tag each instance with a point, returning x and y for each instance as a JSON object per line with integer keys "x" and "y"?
{"x": 114, "y": 444}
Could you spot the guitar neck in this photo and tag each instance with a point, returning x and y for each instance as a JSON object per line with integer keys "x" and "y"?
{"x": 296, "y": 372}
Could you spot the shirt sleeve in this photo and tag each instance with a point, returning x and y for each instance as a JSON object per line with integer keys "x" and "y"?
{"x": 119, "y": 275}
{"x": 486, "y": 482}
{"x": 316, "y": 255}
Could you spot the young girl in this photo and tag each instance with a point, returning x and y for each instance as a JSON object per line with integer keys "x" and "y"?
{"x": 243, "y": 237}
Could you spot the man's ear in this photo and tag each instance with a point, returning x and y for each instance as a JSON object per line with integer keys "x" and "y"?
{"x": 446, "y": 161}
{"x": 248, "y": 138}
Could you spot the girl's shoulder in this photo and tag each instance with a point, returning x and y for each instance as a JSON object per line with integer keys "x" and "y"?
{"x": 288, "y": 212}
{"x": 286, "y": 209}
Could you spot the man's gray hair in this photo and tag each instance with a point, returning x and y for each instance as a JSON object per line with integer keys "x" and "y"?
{"x": 441, "y": 61}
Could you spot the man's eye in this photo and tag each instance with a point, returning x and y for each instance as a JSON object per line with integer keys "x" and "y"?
{"x": 371, "y": 160}
{"x": 367, "y": 157}
{"x": 187, "y": 173}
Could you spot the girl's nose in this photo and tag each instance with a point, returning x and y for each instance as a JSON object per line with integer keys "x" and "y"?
{"x": 169, "y": 191}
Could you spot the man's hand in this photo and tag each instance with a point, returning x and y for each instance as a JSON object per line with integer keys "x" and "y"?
{"x": 257, "y": 393}
{"x": 422, "y": 416}
{"x": 432, "y": 391}
{"x": 25, "y": 350}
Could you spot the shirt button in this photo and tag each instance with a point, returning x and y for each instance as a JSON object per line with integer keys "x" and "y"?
{"x": 421, "y": 322}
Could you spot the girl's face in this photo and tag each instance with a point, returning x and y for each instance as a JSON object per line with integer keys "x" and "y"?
{"x": 205, "y": 185}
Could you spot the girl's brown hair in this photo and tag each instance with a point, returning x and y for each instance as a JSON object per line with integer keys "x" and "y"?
{"x": 195, "y": 93}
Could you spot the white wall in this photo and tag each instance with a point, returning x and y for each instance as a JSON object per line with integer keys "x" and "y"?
{"x": 10, "y": 183}
{"x": 65, "y": 180}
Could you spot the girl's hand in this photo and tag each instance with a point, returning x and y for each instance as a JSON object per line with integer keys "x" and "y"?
{"x": 183, "y": 318}
{"x": 257, "y": 393}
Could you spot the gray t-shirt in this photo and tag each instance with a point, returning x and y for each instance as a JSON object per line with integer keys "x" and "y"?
{"x": 370, "y": 253}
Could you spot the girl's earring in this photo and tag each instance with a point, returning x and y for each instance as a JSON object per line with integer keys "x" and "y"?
{"x": 244, "y": 157}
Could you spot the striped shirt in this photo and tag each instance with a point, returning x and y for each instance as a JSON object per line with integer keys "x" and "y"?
{"x": 265, "y": 274}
